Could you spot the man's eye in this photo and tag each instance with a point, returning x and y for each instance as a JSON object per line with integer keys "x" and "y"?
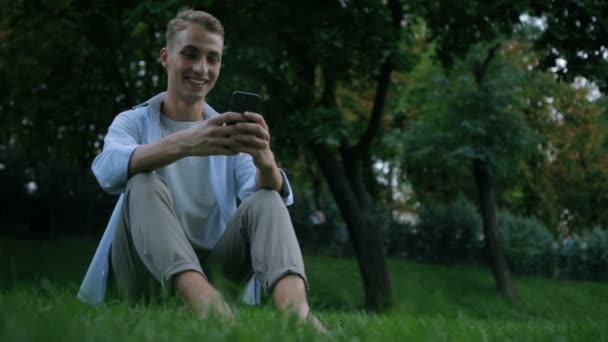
{"x": 189, "y": 55}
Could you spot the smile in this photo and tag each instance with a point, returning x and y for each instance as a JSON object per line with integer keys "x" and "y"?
{"x": 197, "y": 82}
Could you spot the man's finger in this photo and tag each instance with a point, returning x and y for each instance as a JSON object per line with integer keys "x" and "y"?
{"x": 228, "y": 117}
{"x": 253, "y": 129}
{"x": 255, "y": 117}
{"x": 250, "y": 141}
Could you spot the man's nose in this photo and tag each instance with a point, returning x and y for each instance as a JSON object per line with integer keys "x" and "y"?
{"x": 201, "y": 66}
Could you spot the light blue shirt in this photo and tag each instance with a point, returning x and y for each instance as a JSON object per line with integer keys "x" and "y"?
{"x": 232, "y": 176}
{"x": 197, "y": 210}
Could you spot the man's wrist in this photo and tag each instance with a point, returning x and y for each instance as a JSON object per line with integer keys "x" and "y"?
{"x": 269, "y": 164}
{"x": 269, "y": 175}
{"x": 180, "y": 149}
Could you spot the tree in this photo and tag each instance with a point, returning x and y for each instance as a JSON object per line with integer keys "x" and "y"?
{"x": 477, "y": 119}
{"x": 574, "y": 31}
{"x": 579, "y": 163}
{"x": 456, "y": 28}
{"x": 67, "y": 70}
{"x": 312, "y": 57}
{"x": 570, "y": 43}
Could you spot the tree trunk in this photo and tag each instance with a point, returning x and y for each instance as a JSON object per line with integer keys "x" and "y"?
{"x": 366, "y": 239}
{"x": 502, "y": 275}
{"x": 347, "y": 183}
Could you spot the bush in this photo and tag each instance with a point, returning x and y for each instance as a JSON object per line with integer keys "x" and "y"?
{"x": 399, "y": 239}
{"x": 327, "y": 238}
{"x": 585, "y": 257}
{"x": 446, "y": 233}
{"x": 319, "y": 230}
{"x": 529, "y": 246}
{"x": 452, "y": 233}
{"x": 65, "y": 201}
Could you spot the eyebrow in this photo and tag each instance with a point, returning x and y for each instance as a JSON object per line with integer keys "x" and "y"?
{"x": 192, "y": 47}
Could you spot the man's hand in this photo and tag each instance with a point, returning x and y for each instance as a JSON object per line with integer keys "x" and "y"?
{"x": 216, "y": 137}
{"x": 246, "y": 133}
{"x": 253, "y": 138}
{"x": 211, "y": 137}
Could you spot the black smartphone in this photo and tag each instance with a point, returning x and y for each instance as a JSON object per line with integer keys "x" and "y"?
{"x": 244, "y": 102}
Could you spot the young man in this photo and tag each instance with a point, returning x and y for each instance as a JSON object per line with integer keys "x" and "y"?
{"x": 179, "y": 169}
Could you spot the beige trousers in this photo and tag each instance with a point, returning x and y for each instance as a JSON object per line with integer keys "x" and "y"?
{"x": 150, "y": 245}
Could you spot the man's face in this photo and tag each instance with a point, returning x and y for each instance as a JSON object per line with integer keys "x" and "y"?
{"x": 193, "y": 63}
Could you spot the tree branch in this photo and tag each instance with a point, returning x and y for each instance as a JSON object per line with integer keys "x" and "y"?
{"x": 387, "y": 67}
{"x": 480, "y": 69}
{"x": 373, "y": 126}
{"x": 328, "y": 98}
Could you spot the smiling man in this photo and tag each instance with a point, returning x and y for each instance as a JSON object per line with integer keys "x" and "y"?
{"x": 180, "y": 169}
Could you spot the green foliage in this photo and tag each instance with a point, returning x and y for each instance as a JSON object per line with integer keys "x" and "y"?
{"x": 585, "y": 256}
{"x": 400, "y": 240}
{"x": 452, "y": 233}
{"x": 574, "y": 31}
{"x": 445, "y": 233}
{"x": 322, "y": 125}
{"x": 458, "y": 25}
{"x": 68, "y": 70}
{"x": 72, "y": 206}
{"x": 290, "y": 57}
{"x": 13, "y": 180}
{"x": 469, "y": 120}
{"x": 328, "y": 238}
{"x": 529, "y": 246}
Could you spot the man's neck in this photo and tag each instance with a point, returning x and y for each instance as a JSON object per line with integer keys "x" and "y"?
{"x": 179, "y": 110}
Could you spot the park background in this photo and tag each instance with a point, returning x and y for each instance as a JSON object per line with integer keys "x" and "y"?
{"x": 448, "y": 160}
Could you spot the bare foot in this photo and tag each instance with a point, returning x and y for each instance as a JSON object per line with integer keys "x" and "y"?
{"x": 199, "y": 296}
{"x": 216, "y": 305}
{"x": 312, "y": 321}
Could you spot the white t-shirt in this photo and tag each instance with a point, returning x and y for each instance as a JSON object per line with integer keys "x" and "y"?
{"x": 193, "y": 198}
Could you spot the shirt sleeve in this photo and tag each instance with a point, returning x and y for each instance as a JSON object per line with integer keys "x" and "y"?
{"x": 245, "y": 172}
{"x": 111, "y": 166}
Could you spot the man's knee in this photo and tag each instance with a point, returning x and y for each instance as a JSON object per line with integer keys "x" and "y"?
{"x": 264, "y": 199}
{"x": 146, "y": 185}
{"x": 144, "y": 179}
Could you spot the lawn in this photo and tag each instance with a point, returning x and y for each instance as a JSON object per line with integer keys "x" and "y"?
{"x": 39, "y": 279}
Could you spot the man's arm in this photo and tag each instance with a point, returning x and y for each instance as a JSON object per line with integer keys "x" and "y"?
{"x": 269, "y": 177}
{"x": 111, "y": 166}
{"x": 155, "y": 155}
{"x": 211, "y": 137}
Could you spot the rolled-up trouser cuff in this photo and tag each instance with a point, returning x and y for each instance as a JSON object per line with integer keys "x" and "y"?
{"x": 172, "y": 271}
{"x": 272, "y": 279}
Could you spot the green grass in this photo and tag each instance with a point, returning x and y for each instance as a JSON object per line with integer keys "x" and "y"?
{"x": 39, "y": 279}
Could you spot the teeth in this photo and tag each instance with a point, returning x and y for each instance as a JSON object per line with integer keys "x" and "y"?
{"x": 197, "y": 81}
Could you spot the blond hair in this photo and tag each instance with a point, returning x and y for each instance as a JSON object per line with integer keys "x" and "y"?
{"x": 188, "y": 16}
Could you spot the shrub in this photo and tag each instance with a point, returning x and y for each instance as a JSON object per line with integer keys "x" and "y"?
{"x": 585, "y": 257}
{"x": 446, "y": 233}
{"x": 529, "y": 246}
{"x": 328, "y": 238}
{"x": 399, "y": 239}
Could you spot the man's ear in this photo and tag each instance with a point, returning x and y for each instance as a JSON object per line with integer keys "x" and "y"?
{"x": 163, "y": 57}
